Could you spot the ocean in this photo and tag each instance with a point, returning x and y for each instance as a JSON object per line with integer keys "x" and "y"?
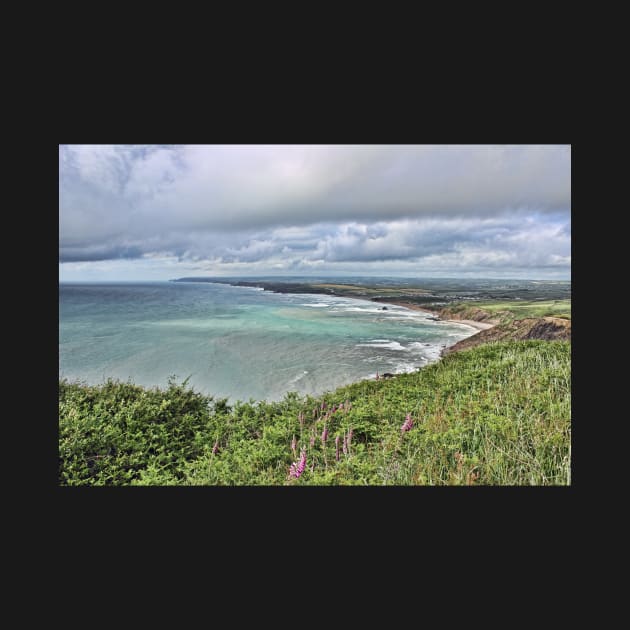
{"x": 239, "y": 343}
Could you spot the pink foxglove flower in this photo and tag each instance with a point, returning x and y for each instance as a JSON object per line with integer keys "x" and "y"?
{"x": 297, "y": 468}
{"x": 324, "y": 434}
{"x": 337, "y": 448}
{"x": 344, "y": 446}
{"x": 407, "y": 424}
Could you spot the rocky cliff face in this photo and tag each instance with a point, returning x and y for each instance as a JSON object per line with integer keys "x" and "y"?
{"x": 548, "y": 328}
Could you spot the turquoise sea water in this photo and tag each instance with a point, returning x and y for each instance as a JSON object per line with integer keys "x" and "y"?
{"x": 238, "y": 342}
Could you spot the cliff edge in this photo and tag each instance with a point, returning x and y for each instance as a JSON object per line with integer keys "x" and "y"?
{"x": 546, "y": 328}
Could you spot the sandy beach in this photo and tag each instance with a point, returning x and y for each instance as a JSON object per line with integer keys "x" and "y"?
{"x": 471, "y": 322}
{"x": 468, "y": 322}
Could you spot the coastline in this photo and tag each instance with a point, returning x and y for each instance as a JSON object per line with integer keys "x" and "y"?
{"x": 471, "y": 322}
{"x": 415, "y": 307}
{"x": 394, "y": 300}
{"x": 408, "y": 362}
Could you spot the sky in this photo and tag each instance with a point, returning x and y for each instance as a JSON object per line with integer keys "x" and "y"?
{"x": 158, "y": 212}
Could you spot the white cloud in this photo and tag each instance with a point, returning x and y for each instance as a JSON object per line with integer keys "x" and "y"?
{"x": 301, "y": 207}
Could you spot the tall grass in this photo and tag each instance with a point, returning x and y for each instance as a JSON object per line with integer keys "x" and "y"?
{"x": 498, "y": 414}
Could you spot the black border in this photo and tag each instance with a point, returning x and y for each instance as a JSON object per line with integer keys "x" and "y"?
{"x": 384, "y": 114}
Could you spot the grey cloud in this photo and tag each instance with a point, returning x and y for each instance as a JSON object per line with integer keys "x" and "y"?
{"x": 490, "y": 241}
{"x": 303, "y": 206}
{"x": 98, "y": 252}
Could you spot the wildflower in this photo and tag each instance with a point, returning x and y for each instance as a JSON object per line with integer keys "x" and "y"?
{"x": 337, "y": 448}
{"x": 323, "y": 406}
{"x": 297, "y": 468}
{"x": 407, "y": 424}
{"x": 215, "y": 448}
{"x": 293, "y": 445}
{"x": 344, "y": 446}
{"x": 377, "y": 376}
{"x": 324, "y": 434}
{"x": 349, "y": 440}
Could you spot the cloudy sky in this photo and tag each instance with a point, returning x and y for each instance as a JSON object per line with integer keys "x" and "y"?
{"x": 155, "y": 212}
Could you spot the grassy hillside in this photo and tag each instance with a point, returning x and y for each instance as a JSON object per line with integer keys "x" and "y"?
{"x": 546, "y": 328}
{"x": 496, "y": 414}
{"x": 510, "y": 310}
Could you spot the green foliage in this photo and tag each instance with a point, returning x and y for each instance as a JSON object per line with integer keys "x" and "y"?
{"x": 507, "y": 310}
{"x": 498, "y": 414}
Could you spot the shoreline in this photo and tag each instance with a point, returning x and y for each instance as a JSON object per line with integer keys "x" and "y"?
{"x": 471, "y": 322}
{"x": 467, "y": 322}
{"x": 396, "y": 301}
{"x": 380, "y": 300}
{"x": 478, "y": 326}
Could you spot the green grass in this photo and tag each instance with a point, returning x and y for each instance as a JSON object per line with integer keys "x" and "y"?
{"x": 522, "y": 309}
{"x": 498, "y": 414}
{"x": 507, "y": 310}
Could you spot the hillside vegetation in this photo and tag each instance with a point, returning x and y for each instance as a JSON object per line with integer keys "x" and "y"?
{"x": 547, "y": 328}
{"x": 497, "y": 414}
{"x": 507, "y": 311}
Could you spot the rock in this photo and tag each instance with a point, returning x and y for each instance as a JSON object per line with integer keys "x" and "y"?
{"x": 387, "y": 375}
{"x": 384, "y": 308}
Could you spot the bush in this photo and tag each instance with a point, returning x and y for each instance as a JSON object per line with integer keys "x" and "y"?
{"x": 498, "y": 414}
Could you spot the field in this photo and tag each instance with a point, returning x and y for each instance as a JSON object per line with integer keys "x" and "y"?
{"x": 350, "y": 290}
{"x": 521, "y": 309}
{"x": 498, "y": 414}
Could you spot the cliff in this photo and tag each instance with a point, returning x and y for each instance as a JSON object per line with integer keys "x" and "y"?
{"x": 545, "y": 328}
